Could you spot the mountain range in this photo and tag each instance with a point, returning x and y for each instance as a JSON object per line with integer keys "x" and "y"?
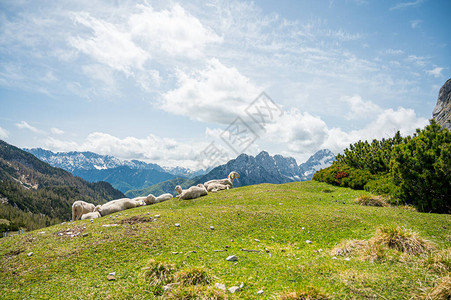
{"x": 123, "y": 175}
{"x": 262, "y": 168}
{"x": 34, "y": 194}
{"x": 135, "y": 178}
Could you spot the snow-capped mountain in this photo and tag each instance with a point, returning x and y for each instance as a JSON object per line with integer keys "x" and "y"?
{"x": 185, "y": 172}
{"x": 262, "y": 168}
{"x": 71, "y": 161}
{"x": 320, "y": 160}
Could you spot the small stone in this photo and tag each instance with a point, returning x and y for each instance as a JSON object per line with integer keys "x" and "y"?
{"x": 110, "y": 277}
{"x": 166, "y": 288}
{"x": 334, "y": 257}
{"x": 148, "y": 213}
{"x": 92, "y": 220}
{"x": 320, "y": 250}
{"x": 280, "y": 203}
{"x": 200, "y": 214}
{"x": 257, "y": 240}
{"x": 175, "y": 253}
{"x": 260, "y": 292}
{"x": 220, "y": 286}
{"x": 267, "y": 250}
{"x": 232, "y": 258}
{"x": 227, "y": 246}
{"x": 157, "y": 216}
{"x": 234, "y": 289}
{"x": 297, "y": 258}
{"x": 112, "y": 274}
{"x": 84, "y": 235}
{"x": 30, "y": 254}
{"x": 241, "y": 285}
{"x": 177, "y": 225}
{"x": 347, "y": 259}
{"x": 303, "y": 228}
{"x": 308, "y": 242}
{"x": 212, "y": 228}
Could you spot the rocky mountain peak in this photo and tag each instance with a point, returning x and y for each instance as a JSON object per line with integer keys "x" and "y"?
{"x": 442, "y": 110}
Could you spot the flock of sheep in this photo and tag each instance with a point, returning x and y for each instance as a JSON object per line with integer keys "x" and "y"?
{"x": 85, "y": 210}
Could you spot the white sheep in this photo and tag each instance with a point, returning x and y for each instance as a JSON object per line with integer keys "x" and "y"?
{"x": 149, "y": 199}
{"x": 191, "y": 193}
{"x": 213, "y": 185}
{"x": 118, "y": 205}
{"x": 163, "y": 197}
{"x": 91, "y": 215}
{"x": 80, "y": 208}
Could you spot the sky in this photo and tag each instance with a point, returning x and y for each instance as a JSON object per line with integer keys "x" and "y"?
{"x": 195, "y": 83}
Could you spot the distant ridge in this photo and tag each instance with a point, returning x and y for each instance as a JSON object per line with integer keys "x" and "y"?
{"x": 29, "y": 185}
{"x": 262, "y": 168}
{"x": 123, "y": 175}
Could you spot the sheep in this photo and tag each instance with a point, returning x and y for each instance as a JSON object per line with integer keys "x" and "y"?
{"x": 191, "y": 193}
{"x": 149, "y": 199}
{"x": 91, "y": 215}
{"x": 213, "y": 185}
{"x": 81, "y": 207}
{"x": 118, "y": 205}
{"x": 163, "y": 197}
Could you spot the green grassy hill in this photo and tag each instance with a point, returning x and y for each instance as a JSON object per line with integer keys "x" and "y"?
{"x": 289, "y": 230}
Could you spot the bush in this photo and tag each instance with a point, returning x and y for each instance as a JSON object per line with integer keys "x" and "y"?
{"x": 421, "y": 166}
{"x": 341, "y": 174}
{"x": 382, "y": 184}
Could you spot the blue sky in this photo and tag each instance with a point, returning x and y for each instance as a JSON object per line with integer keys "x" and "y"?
{"x": 162, "y": 81}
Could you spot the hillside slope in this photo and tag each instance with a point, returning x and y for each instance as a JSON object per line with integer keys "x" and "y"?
{"x": 282, "y": 236}
{"x": 28, "y": 185}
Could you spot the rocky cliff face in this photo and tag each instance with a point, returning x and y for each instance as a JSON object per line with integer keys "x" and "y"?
{"x": 442, "y": 110}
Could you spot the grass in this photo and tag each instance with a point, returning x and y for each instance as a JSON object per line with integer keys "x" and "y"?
{"x": 274, "y": 222}
{"x": 369, "y": 200}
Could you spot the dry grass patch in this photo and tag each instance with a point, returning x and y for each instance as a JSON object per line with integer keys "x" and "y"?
{"x": 193, "y": 276}
{"x": 440, "y": 261}
{"x": 159, "y": 274}
{"x": 198, "y": 292}
{"x": 372, "y": 201}
{"x": 135, "y": 220}
{"x": 308, "y": 293}
{"x": 401, "y": 239}
{"x": 442, "y": 291}
{"x": 391, "y": 243}
{"x": 347, "y": 247}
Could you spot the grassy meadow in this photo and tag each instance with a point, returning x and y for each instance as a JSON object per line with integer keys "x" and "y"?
{"x": 286, "y": 237}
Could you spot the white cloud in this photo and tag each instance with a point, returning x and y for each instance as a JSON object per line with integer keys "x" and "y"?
{"x": 403, "y": 5}
{"x": 415, "y": 23}
{"x": 394, "y": 51}
{"x": 109, "y": 44}
{"x": 418, "y": 60}
{"x": 25, "y": 125}
{"x": 173, "y": 31}
{"x": 164, "y": 151}
{"x": 57, "y": 131}
{"x": 387, "y": 123}
{"x": 216, "y": 94}
{"x": 3, "y": 133}
{"x": 300, "y": 132}
{"x": 436, "y": 72}
{"x": 360, "y": 109}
